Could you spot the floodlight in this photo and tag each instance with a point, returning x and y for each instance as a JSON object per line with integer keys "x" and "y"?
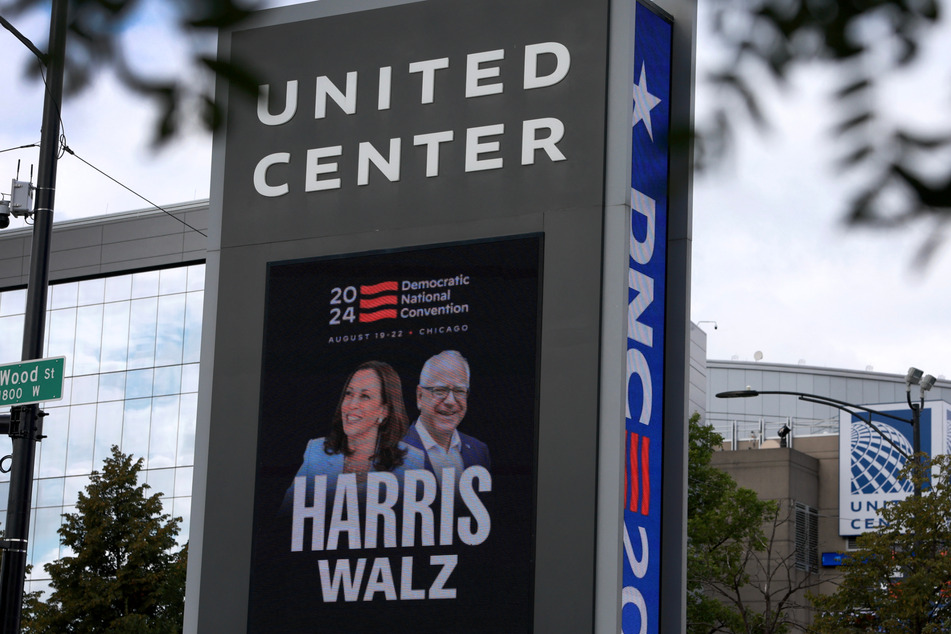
{"x": 927, "y": 382}
{"x": 913, "y": 377}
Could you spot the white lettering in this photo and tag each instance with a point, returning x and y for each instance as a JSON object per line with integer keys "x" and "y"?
{"x": 381, "y": 510}
{"x": 632, "y": 596}
{"x": 383, "y": 93}
{"x": 475, "y": 148}
{"x": 351, "y": 583}
{"x": 302, "y": 512}
{"x": 637, "y": 365}
{"x": 438, "y": 589}
{"x": 260, "y": 175}
{"x": 326, "y": 88}
{"x": 480, "y": 515}
{"x": 314, "y": 168}
{"x": 428, "y": 70}
{"x": 390, "y": 167}
{"x": 290, "y": 104}
{"x": 345, "y": 516}
{"x": 407, "y": 591}
{"x": 644, "y": 205}
{"x": 447, "y": 506}
{"x": 531, "y": 142}
{"x": 562, "y": 64}
{"x": 638, "y": 566}
{"x": 380, "y": 580}
{"x": 475, "y": 73}
{"x": 636, "y": 330}
{"x": 432, "y": 141}
{"x": 417, "y": 501}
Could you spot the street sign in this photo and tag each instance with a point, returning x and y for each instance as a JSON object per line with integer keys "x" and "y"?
{"x": 32, "y": 381}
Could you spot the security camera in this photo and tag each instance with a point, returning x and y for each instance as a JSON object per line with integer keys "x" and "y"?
{"x": 4, "y": 214}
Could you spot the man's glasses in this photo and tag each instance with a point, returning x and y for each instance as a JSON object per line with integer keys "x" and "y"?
{"x": 441, "y": 392}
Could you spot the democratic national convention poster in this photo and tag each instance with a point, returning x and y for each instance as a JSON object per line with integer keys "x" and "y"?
{"x": 395, "y": 478}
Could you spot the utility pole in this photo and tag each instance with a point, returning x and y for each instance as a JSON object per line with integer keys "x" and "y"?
{"x": 26, "y": 420}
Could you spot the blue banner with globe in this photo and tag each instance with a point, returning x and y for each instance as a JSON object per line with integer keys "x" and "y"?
{"x": 871, "y": 460}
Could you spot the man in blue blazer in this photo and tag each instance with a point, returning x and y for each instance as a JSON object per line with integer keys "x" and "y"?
{"x": 442, "y": 397}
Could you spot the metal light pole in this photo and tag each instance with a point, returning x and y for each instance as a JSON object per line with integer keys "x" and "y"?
{"x": 914, "y": 377}
{"x": 26, "y": 420}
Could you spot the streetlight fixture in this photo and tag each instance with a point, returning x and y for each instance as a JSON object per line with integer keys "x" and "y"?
{"x": 864, "y": 414}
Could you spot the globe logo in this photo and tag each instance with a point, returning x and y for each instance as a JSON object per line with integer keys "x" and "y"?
{"x": 876, "y": 462}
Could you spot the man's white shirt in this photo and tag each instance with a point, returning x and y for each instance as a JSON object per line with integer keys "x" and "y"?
{"x": 439, "y": 457}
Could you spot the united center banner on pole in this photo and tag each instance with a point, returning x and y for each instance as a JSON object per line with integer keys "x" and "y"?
{"x": 378, "y": 344}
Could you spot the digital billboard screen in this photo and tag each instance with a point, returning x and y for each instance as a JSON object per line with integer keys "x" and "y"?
{"x": 646, "y": 298}
{"x": 397, "y": 441}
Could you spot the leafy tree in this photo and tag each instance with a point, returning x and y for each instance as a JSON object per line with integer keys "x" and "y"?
{"x": 899, "y": 580}
{"x": 123, "y": 575}
{"x": 721, "y": 517}
{"x": 741, "y": 575}
{"x": 862, "y": 45}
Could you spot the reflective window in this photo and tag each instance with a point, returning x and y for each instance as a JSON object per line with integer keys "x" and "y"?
{"x": 52, "y": 450}
{"x": 135, "y": 427}
{"x": 108, "y": 430}
{"x": 88, "y": 339}
{"x": 170, "y": 330}
{"x": 142, "y": 326}
{"x": 168, "y": 380}
{"x": 145, "y": 284}
{"x": 192, "y": 336}
{"x": 13, "y": 302}
{"x": 118, "y": 288}
{"x": 63, "y": 295}
{"x": 172, "y": 281}
{"x": 82, "y": 438}
{"x": 132, "y": 345}
{"x": 163, "y": 440}
{"x": 138, "y": 383}
{"x": 11, "y": 343}
{"x": 85, "y": 389}
{"x": 112, "y": 386}
{"x": 61, "y": 335}
{"x": 161, "y": 481}
{"x": 91, "y": 292}
{"x": 49, "y": 492}
{"x": 115, "y": 336}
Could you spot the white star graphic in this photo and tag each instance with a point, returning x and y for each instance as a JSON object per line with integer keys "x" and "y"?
{"x": 644, "y": 102}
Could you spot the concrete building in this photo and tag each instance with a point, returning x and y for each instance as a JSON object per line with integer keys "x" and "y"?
{"x": 805, "y": 475}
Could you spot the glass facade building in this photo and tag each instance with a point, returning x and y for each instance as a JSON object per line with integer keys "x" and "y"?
{"x": 131, "y": 343}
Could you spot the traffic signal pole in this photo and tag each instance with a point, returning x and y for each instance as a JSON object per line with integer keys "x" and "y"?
{"x": 26, "y": 420}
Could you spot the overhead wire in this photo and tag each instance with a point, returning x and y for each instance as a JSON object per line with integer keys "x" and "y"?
{"x": 70, "y": 151}
{"x": 64, "y": 148}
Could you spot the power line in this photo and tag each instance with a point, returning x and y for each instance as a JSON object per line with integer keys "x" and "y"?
{"x": 69, "y": 150}
{"x": 20, "y": 147}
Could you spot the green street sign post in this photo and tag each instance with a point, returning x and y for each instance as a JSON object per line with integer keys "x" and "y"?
{"x": 34, "y": 381}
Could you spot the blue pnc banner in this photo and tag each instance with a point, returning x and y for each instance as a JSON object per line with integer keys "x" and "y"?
{"x": 650, "y": 128}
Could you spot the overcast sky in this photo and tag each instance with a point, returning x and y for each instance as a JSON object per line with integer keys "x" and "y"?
{"x": 773, "y": 265}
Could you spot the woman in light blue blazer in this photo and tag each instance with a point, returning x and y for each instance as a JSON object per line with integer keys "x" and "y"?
{"x": 365, "y": 434}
